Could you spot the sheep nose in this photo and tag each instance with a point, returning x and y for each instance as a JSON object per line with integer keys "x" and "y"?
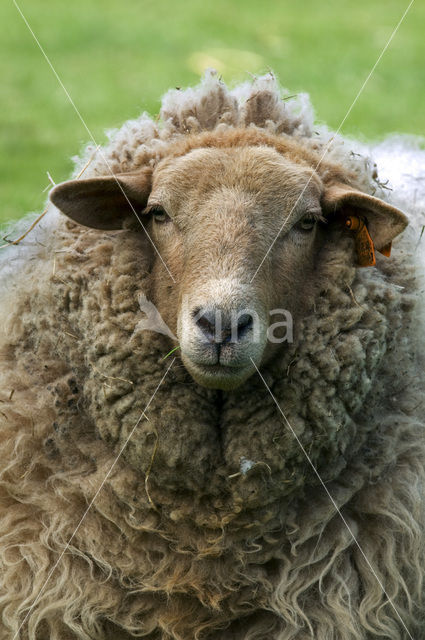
{"x": 222, "y": 326}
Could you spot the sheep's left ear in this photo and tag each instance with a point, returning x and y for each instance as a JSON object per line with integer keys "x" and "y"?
{"x": 350, "y": 206}
{"x": 104, "y": 202}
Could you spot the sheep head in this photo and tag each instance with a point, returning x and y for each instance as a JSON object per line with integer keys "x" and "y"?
{"x": 243, "y": 229}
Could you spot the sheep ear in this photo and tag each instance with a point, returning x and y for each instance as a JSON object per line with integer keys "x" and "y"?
{"x": 384, "y": 222}
{"x": 103, "y": 203}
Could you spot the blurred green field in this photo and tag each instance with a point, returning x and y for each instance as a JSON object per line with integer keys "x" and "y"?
{"x": 117, "y": 58}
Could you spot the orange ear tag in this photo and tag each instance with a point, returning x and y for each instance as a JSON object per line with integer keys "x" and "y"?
{"x": 364, "y": 243}
{"x": 386, "y": 251}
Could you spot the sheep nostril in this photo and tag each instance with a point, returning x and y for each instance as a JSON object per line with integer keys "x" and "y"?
{"x": 245, "y": 323}
{"x": 222, "y": 327}
{"x": 206, "y": 322}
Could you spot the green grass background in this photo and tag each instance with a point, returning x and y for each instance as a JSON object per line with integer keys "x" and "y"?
{"x": 116, "y": 58}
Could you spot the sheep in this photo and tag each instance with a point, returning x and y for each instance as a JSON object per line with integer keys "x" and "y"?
{"x": 258, "y": 489}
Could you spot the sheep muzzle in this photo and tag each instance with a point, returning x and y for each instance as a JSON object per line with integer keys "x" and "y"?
{"x": 220, "y": 337}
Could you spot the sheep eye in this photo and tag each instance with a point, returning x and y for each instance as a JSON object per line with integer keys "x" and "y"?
{"x": 159, "y": 214}
{"x": 307, "y": 223}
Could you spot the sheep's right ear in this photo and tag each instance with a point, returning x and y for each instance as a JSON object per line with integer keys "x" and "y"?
{"x": 103, "y": 203}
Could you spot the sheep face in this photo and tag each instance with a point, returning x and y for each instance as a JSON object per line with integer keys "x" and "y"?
{"x": 238, "y": 226}
{"x": 216, "y": 217}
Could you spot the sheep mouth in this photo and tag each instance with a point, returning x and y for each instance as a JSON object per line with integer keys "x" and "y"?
{"x": 219, "y": 376}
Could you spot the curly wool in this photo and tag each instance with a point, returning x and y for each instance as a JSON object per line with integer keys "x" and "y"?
{"x": 194, "y": 535}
